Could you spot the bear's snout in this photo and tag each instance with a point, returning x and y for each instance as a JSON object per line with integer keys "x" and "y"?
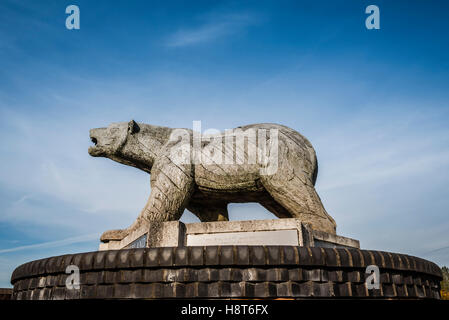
{"x": 95, "y": 135}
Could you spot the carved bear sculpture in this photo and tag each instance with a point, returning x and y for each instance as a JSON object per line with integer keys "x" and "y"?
{"x": 269, "y": 164}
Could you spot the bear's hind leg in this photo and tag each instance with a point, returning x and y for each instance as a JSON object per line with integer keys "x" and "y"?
{"x": 298, "y": 196}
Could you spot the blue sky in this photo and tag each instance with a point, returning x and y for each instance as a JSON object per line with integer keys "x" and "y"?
{"x": 374, "y": 103}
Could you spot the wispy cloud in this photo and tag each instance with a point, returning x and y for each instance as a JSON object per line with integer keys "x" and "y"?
{"x": 22, "y": 199}
{"x": 52, "y": 244}
{"x": 216, "y": 27}
{"x": 446, "y": 248}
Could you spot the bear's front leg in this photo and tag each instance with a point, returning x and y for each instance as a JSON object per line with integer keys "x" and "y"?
{"x": 171, "y": 188}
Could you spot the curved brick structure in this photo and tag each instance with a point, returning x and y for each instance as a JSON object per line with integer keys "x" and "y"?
{"x": 228, "y": 272}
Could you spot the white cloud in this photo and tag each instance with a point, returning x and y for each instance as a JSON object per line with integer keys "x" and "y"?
{"x": 52, "y": 244}
{"x": 46, "y": 165}
{"x": 368, "y": 151}
{"x": 221, "y": 26}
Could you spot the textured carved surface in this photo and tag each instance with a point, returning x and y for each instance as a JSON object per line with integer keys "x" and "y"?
{"x": 207, "y": 186}
{"x": 228, "y": 272}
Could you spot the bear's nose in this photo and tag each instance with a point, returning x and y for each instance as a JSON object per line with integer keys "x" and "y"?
{"x": 94, "y": 134}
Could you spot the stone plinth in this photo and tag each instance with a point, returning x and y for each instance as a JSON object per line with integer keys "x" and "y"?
{"x": 291, "y": 232}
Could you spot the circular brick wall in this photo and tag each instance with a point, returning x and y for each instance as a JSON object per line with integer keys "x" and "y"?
{"x": 228, "y": 272}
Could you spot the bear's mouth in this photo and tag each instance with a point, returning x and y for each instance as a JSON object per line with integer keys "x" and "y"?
{"x": 99, "y": 139}
{"x": 95, "y": 149}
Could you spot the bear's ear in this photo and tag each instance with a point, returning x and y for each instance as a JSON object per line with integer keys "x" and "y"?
{"x": 133, "y": 127}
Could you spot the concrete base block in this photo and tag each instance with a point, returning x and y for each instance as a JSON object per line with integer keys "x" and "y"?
{"x": 291, "y": 232}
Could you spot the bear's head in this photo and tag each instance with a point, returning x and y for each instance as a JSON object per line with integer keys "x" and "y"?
{"x": 110, "y": 142}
